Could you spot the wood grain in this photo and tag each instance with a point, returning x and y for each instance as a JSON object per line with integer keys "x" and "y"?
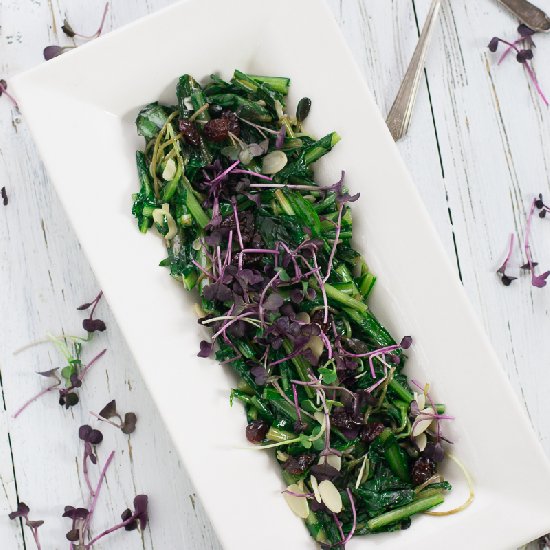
{"x": 478, "y": 148}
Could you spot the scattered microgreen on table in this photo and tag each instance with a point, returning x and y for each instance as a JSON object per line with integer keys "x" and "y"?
{"x": 227, "y": 179}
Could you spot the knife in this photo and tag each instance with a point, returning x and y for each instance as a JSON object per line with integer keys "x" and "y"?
{"x": 528, "y": 14}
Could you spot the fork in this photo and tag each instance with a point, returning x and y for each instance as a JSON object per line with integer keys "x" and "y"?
{"x": 399, "y": 116}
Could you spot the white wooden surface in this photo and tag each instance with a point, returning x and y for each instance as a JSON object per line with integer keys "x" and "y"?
{"x": 478, "y": 148}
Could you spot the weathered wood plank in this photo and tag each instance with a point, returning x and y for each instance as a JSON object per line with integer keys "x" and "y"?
{"x": 44, "y": 276}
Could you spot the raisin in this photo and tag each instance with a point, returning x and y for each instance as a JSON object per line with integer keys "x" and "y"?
{"x": 216, "y": 129}
{"x": 232, "y": 122}
{"x": 190, "y": 133}
{"x": 371, "y": 431}
{"x": 343, "y": 420}
{"x": 256, "y": 431}
{"x": 297, "y": 465}
{"x": 422, "y": 470}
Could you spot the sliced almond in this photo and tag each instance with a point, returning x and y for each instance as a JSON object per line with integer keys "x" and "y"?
{"x": 299, "y": 505}
{"x": 332, "y": 460}
{"x": 274, "y": 162}
{"x": 363, "y": 474}
{"x": 330, "y": 496}
{"x": 422, "y": 422}
{"x": 420, "y": 399}
{"x": 169, "y": 170}
{"x": 282, "y": 457}
{"x": 279, "y": 109}
{"x": 421, "y": 441}
{"x": 316, "y": 345}
{"x": 315, "y": 487}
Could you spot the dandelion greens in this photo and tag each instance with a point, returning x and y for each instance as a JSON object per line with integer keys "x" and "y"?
{"x": 227, "y": 178}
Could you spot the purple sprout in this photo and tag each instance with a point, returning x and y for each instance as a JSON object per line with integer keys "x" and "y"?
{"x": 523, "y": 55}
{"x": 504, "y": 277}
{"x": 22, "y": 513}
{"x": 55, "y": 51}
{"x": 538, "y": 281}
{"x": 4, "y": 90}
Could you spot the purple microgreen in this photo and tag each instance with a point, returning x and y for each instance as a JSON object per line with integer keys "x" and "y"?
{"x": 525, "y": 32}
{"x": 280, "y": 137}
{"x": 538, "y": 281}
{"x": 336, "y": 240}
{"x": 3, "y": 192}
{"x": 130, "y": 520}
{"x": 109, "y": 410}
{"x": 128, "y": 426}
{"x": 4, "y": 90}
{"x": 39, "y": 394}
{"x": 504, "y": 277}
{"x": 22, "y": 513}
{"x": 523, "y": 56}
{"x": 406, "y": 342}
{"x": 93, "y": 325}
{"x": 94, "y": 302}
{"x": 206, "y": 349}
{"x": 69, "y": 31}
{"x": 55, "y": 51}
{"x": 260, "y": 375}
{"x": 354, "y": 513}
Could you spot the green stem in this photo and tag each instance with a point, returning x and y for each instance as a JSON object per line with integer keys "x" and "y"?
{"x": 403, "y": 392}
{"x": 278, "y": 435}
{"x": 338, "y": 296}
{"x": 416, "y": 507}
{"x": 283, "y": 201}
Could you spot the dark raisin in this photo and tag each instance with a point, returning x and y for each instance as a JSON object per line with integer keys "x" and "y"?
{"x": 232, "y": 122}
{"x": 256, "y": 431}
{"x": 371, "y": 431}
{"x": 190, "y": 133}
{"x": 216, "y": 129}
{"x": 422, "y": 470}
{"x": 297, "y": 465}
{"x": 343, "y": 420}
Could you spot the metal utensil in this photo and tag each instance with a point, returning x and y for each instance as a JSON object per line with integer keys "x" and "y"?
{"x": 399, "y": 116}
{"x": 528, "y": 14}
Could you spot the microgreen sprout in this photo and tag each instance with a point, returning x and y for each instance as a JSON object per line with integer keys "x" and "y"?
{"x": 54, "y": 51}
{"x": 538, "y": 281}
{"x": 504, "y": 277}
{"x": 4, "y": 90}
{"x": 126, "y": 425}
{"x": 523, "y": 55}
{"x": 22, "y": 513}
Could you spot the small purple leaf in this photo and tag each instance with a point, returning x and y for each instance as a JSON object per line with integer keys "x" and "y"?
{"x": 52, "y": 51}
{"x": 206, "y": 349}
{"x": 129, "y": 424}
{"x": 109, "y": 410}
{"x": 493, "y": 44}
{"x": 93, "y": 325}
{"x": 406, "y": 342}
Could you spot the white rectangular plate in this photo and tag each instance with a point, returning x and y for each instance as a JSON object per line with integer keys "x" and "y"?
{"x": 81, "y": 107}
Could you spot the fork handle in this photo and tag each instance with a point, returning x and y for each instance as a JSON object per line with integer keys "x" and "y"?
{"x": 399, "y": 116}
